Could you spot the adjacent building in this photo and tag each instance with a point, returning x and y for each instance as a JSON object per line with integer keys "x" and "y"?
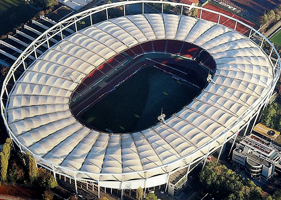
{"x": 257, "y": 155}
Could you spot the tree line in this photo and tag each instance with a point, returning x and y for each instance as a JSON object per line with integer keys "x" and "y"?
{"x": 272, "y": 15}
{"x": 223, "y": 183}
{"x": 271, "y": 116}
{"x": 18, "y": 167}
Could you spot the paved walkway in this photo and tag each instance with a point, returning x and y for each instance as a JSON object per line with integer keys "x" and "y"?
{"x": 272, "y": 30}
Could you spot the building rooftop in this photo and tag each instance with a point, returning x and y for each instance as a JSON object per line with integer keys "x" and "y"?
{"x": 263, "y": 130}
{"x": 257, "y": 144}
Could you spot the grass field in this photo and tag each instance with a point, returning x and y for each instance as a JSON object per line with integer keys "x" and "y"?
{"x": 276, "y": 38}
{"x": 13, "y": 13}
{"x": 136, "y": 104}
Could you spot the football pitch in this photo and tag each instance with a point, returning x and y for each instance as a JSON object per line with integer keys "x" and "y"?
{"x": 136, "y": 104}
{"x": 276, "y": 38}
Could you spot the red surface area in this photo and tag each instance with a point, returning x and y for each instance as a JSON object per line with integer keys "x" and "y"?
{"x": 223, "y": 20}
{"x": 20, "y": 192}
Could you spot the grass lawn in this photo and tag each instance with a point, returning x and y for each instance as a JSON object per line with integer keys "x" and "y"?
{"x": 136, "y": 104}
{"x": 276, "y": 38}
{"x": 13, "y": 13}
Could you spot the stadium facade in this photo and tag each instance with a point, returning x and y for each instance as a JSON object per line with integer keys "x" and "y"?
{"x": 35, "y": 97}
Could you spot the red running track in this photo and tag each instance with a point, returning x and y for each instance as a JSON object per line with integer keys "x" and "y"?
{"x": 225, "y": 21}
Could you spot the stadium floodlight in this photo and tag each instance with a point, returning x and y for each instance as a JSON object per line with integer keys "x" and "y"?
{"x": 161, "y": 117}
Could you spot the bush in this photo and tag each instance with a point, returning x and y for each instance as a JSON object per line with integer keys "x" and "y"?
{"x": 139, "y": 193}
{"x": 151, "y": 196}
{"x": 16, "y": 172}
{"x": 32, "y": 167}
{"x": 45, "y": 179}
{"x": 4, "y": 158}
{"x": 48, "y": 194}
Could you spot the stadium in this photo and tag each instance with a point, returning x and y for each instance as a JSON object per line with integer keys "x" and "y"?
{"x": 100, "y": 50}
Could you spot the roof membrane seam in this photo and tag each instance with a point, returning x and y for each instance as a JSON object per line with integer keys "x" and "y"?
{"x": 237, "y": 89}
{"x": 155, "y": 153}
{"x": 246, "y": 81}
{"x": 69, "y": 154}
{"x": 51, "y": 122}
{"x": 61, "y": 65}
{"x": 89, "y": 150}
{"x": 196, "y": 127}
{"x": 40, "y": 115}
{"x": 179, "y": 155}
{"x": 225, "y": 109}
{"x": 50, "y": 135}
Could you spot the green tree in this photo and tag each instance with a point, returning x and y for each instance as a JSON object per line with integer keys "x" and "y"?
{"x": 7, "y": 148}
{"x": 277, "y": 195}
{"x": 271, "y": 15}
{"x": 16, "y": 172}
{"x": 151, "y": 196}
{"x": 139, "y": 193}
{"x": 269, "y": 198}
{"x": 32, "y": 167}
{"x": 4, "y": 167}
{"x": 271, "y": 116}
{"x": 264, "y": 19}
{"x": 166, "y": 7}
{"x": 45, "y": 179}
{"x": 48, "y": 194}
{"x": 4, "y": 158}
{"x": 228, "y": 184}
{"x": 255, "y": 193}
{"x": 48, "y": 3}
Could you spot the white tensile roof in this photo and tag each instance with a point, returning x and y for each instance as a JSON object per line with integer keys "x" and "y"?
{"x": 38, "y": 109}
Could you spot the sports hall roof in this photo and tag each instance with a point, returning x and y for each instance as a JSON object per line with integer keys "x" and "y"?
{"x": 38, "y": 108}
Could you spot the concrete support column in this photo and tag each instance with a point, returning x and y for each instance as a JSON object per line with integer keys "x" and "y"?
{"x": 248, "y": 123}
{"x": 167, "y": 181}
{"x": 61, "y": 35}
{"x": 54, "y": 173}
{"x": 91, "y": 20}
{"x": 222, "y": 148}
{"x": 219, "y": 19}
{"x": 188, "y": 168}
{"x": 206, "y": 157}
{"x": 98, "y": 189}
{"x": 235, "y": 137}
{"x": 257, "y": 116}
{"x": 75, "y": 182}
{"x": 146, "y": 175}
